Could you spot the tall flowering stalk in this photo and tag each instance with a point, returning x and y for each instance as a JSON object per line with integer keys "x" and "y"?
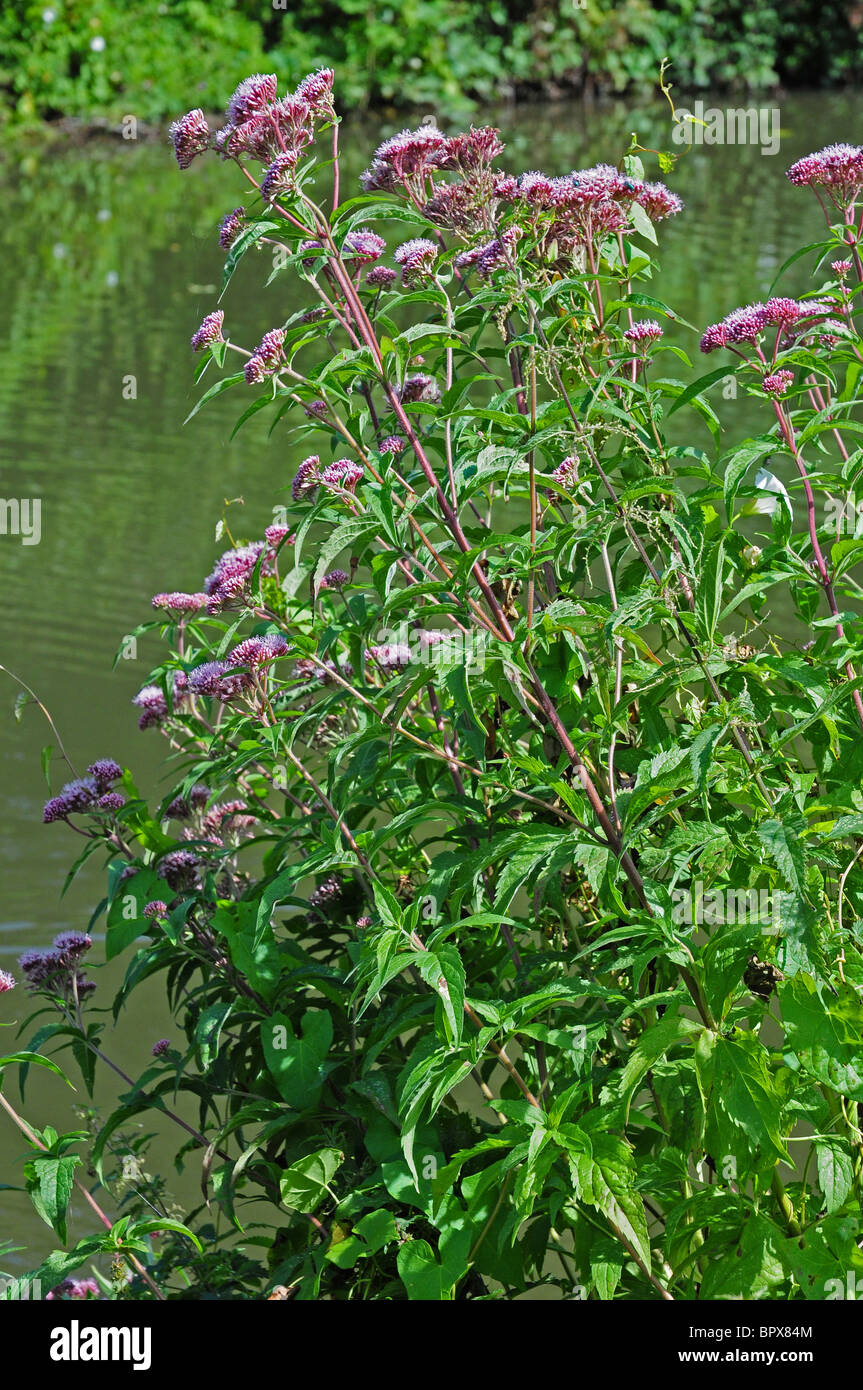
{"x": 503, "y": 812}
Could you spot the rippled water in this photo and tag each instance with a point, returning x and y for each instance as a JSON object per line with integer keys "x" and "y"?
{"x": 108, "y": 261}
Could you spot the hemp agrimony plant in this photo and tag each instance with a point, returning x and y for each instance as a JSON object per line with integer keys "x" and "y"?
{"x": 508, "y": 893}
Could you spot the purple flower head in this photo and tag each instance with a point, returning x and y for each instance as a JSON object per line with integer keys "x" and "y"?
{"x": 42, "y": 967}
{"x": 381, "y": 277}
{"x": 206, "y": 679}
{"x": 252, "y": 97}
{"x": 496, "y": 253}
{"x": 256, "y": 137}
{"x": 364, "y": 921}
{"x": 838, "y": 168}
{"x": 326, "y": 894}
{"x": 156, "y": 908}
{"x": 391, "y": 656}
{"x": 420, "y": 387}
{"x": 416, "y": 258}
{"x": 190, "y": 136}
{"x": 80, "y": 794}
{"x": 76, "y": 1289}
{"x": 841, "y": 268}
{"x": 74, "y": 796}
{"x": 744, "y": 325}
{"x": 161, "y": 1047}
{"x": 740, "y": 326}
{"x": 230, "y": 576}
{"x": 257, "y": 651}
{"x": 72, "y": 945}
{"x": 256, "y": 370}
{"x": 408, "y": 153}
{"x": 276, "y": 534}
{"x": 294, "y": 119}
{"x": 378, "y": 178}
{"x": 817, "y": 308}
{"x": 393, "y": 444}
{"x": 317, "y": 410}
{"x": 269, "y": 349}
{"x": 566, "y": 473}
{"x": 178, "y": 602}
{"x": 647, "y": 331}
{"x": 777, "y": 383}
{"x": 658, "y": 201}
{"x": 781, "y": 312}
{"x": 279, "y": 177}
{"x": 209, "y": 332}
{"x": 535, "y": 188}
{"x": 336, "y": 579}
{"x": 7, "y": 981}
{"x": 316, "y": 90}
{"x": 84, "y": 1288}
{"x": 153, "y": 705}
{"x": 306, "y": 478}
{"x": 471, "y": 150}
{"x": 506, "y": 186}
{"x": 105, "y": 771}
{"x": 341, "y": 476}
{"x": 310, "y": 263}
{"x": 230, "y": 227}
{"x": 364, "y": 245}
{"x": 226, "y": 818}
{"x": 110, "y": 801}
{"x": 179, "y": 868}
{"x": 713, "y": 337}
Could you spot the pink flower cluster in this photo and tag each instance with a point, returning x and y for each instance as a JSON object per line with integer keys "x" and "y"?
{"x": 493, "y": 254}
{"x": 647, "y": 331}
{"x": 390, "y": 656}
{"x": 364, "y": 245}
{"x": 178, "y": 602}
{"x": 266, "y": 358}
{"x": 75, "y": 1289}
{"x": 209, "y": 332}
{"x": 258, "y": 651}
{"x": 566, "y": 212}
{"x": 747, "y": 324}
{"x": 57, "y": 967}
{"x": 566, "y": 473}
{"x": 416, "y": 258}
{"x": 837, "y": 168}
{"x": 228, "y": 817}
{"x": 86, "y": 794}
{"x": 259, "y": 124}
{"x": 231, "y": 575}
{"x": 777, "y": 383}
{"x": 341, "y": 476}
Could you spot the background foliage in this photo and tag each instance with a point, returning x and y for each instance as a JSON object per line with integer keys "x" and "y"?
{"x": 101, "y": 59}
